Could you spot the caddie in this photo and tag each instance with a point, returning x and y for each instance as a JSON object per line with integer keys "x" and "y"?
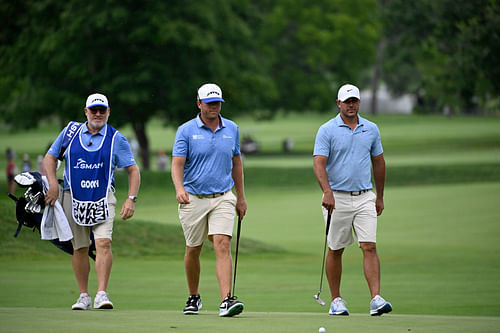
{"x": 91, "y": 151}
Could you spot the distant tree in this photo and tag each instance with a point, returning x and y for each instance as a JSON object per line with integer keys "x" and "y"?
{"x": 149, "y": 57}
{"x": 312, "y": 47}
{"x": 444, "y": 52}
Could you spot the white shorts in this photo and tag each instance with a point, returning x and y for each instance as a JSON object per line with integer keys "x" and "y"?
{"x": 203, "y": 217}
{"x": 352, "y": 214}
{"x": 81, "y": 234}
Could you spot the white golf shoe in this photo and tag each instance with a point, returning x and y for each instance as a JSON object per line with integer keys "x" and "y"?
{"x": 101, "y": 301}
{"x": 84, "y": 302}
{"x": 379, "y": 306}
{"x": 338, "y": 308}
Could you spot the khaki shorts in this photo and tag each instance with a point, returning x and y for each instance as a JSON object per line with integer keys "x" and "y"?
{"x": 352, "y": 214}
{"x": 203, "y": 217}
{"x": 81, "y": 234}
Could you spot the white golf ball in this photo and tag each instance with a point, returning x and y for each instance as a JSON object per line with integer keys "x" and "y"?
{"x": 322, "y": 330}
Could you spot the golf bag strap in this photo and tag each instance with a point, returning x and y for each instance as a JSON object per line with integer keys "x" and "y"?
{"x": 70, "y": 133}
{"x": 19, "y": 226}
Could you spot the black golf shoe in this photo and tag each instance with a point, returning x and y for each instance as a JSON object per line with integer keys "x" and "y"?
{"x": 193, "y": 304}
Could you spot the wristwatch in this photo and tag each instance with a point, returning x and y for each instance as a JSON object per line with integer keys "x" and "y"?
{"x": 133, "y": 198}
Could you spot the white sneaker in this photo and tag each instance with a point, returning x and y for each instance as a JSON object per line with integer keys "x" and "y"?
{"x": 84, "y": 302}
{"x": 379, "y": 306}
{"x": 338, "y": 308}
{"x": 101, "y": 301}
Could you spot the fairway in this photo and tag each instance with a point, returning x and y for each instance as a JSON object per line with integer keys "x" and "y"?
{"x": 438, "y": 242}
{"x": 428, "y": 258}
{"x": 46, "y": 320}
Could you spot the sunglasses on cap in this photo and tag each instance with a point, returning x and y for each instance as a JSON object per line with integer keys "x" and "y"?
{"x": 100, "y": 109}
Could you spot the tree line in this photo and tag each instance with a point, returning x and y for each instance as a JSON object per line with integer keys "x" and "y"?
{"x": 149, "y": 57}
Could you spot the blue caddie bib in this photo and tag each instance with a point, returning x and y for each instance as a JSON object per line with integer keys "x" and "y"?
{"x": 89, "y": 176}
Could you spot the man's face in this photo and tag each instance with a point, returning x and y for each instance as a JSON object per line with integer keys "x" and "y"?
{"x": 350, "y": 107}
{"x": 97, "y": 116}
{"x": 210, "y": 111}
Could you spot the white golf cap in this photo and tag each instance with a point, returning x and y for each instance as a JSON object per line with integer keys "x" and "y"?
{"x": 347, "y": 91}
{"x": 95, "y": 100}
{"x": 210, "y": 92}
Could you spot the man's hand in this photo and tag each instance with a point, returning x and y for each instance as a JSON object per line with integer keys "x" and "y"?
{"x": 328, "y": 201}
{"x": 52, "y": 195}
{"x": 182, "y": 196}
{"x": 128, "y": 209}
{"x": 241, "y": 207}
{"x": 379, "y": 205}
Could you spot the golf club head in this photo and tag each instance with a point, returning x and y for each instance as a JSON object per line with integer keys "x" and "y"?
{"x": 319, "y": 300}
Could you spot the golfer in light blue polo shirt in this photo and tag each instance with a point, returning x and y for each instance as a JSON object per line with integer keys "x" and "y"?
{"x": 345, "y": 150}
{"x": 349, "y": 152}
{"x": 206, "y": 164}
{"x": 209, "y": 155}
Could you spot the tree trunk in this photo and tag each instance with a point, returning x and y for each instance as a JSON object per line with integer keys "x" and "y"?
{"x": 376, "y": 75}
{"x": 140, "y": 134}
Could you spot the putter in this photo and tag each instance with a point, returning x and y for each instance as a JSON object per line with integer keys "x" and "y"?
{"x": 317, "y": 297}
{"x": 237, "y": 247}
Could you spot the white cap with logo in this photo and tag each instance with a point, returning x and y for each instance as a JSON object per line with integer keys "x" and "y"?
{"x": 210, "y": 92}
{"x": 347, "y": 91}
{"x": 95, "y": 100}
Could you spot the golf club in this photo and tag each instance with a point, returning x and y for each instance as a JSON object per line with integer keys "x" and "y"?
{"x": 236, "y": 256}
{"x": 317, "y": 297}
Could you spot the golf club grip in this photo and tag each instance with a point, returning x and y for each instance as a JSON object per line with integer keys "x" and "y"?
{"x": 12, "y": 196}
{"x": 328, "y": 219}
{"x": 239, "y": 229}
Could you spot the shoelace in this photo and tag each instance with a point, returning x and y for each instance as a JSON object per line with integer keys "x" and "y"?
{"x": 192, "y": 300}
{"x": 339, "y": 301}
{"x": 82, "y": 299}
{"x": 230, "y": 299}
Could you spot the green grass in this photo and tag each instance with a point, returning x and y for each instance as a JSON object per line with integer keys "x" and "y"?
{"x": 48, "y": 320}
{"x": 437, "y": 240}
{"x": 436, "y": 243}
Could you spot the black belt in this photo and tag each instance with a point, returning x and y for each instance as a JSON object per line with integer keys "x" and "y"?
{"x": 353, "y": 193}
{"x": 212, "y": 195}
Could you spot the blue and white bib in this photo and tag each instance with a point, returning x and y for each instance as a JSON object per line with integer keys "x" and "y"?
{"x": 89, "y": 176}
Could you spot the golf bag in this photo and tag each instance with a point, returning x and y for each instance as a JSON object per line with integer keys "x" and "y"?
{"x": 30, "y": 206}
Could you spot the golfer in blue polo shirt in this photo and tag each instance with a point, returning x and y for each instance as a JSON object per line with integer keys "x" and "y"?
{"x": 206, "y": 164}
{"x": 345, "y": 149}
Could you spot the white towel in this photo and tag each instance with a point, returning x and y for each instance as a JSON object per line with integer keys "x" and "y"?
{"x": 54, "y": 225}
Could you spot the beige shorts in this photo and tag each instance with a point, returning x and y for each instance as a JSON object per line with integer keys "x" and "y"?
{"x": 81, "y": 234}
{"x": 203, "y": 217}
{"x": 352, "y": 214}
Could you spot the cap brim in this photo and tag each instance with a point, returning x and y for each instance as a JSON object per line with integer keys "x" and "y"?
{"x": 97, "y": 104}
{"x": 212, "y": 99}
{"x": 349, "y": 96}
